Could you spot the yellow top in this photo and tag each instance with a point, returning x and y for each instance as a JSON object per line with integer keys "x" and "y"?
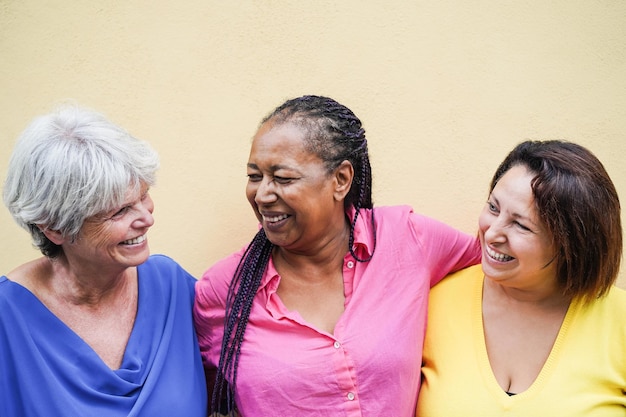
{"x": 584, "y": 375}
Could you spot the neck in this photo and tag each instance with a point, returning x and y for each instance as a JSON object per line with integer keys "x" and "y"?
{"x": 545, "y": 297}
{"x": 322, "y": 262}
{"x": 84, "y": 286}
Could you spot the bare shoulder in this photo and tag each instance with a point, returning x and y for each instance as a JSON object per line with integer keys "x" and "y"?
{"x": 30, "y": 273}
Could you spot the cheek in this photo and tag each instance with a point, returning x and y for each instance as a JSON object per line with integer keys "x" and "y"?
{"x": 251, "y": 194}
{"x": 149, "y": 204}
{"x": 549, "y": 251}
{"x": 100, "y": 237}
{"x": 483, "y": 222}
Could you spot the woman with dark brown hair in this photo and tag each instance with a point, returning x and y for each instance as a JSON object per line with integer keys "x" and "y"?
{"x": 539, "y": 329}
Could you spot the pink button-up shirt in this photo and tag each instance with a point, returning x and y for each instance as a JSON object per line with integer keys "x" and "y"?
{"x": 370, "y": 365}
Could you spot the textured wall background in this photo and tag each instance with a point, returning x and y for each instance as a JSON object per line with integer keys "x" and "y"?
{"x": 444, "y": 89}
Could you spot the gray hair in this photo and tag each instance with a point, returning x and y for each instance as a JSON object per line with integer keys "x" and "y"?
{"x": 70, "y": 165}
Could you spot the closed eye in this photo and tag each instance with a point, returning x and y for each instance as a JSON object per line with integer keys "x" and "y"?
{"x": 121, "y": 212}
{"x": 283, "y": 180}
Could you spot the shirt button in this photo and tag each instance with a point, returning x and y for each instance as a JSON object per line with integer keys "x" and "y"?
{"x": 351, "y": 396}
{"x": 337, "y": 345}
{"x": 350, "y": 264}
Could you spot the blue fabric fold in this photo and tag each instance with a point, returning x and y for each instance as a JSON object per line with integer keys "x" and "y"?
{"x": 48, "y": 370}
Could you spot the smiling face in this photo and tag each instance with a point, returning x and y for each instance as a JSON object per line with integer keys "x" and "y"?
{"x": 298, "y": 202}
{"x": 517, "y": 248}
{"x": 115, "y": 239}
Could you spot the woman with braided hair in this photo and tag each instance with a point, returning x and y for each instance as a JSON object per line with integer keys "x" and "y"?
{"x": 323, "y": 313}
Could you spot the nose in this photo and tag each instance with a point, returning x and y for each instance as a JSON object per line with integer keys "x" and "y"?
{"x": 265, "y": 192}
{"x": 494, "y": 231}
{"x": 145, "y": 208}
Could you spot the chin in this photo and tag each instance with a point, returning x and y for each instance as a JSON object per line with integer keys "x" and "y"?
{"x": 137, "y": 259}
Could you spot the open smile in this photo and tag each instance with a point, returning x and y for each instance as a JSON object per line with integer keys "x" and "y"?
{"x": 135, "y": 241}
{"x": 497, "y": 256}
{"x": 275, "y": 219}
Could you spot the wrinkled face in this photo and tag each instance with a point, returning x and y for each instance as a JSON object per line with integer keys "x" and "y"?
{"x": 517, "y": 248}
{"x": 117, "y": 238}
{"x": 290, "y": 190}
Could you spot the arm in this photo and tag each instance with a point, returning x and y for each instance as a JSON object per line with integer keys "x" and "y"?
{"x": 446, "y": 248}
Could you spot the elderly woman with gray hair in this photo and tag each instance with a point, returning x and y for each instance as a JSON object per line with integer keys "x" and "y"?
{"x": 96, "y": 326}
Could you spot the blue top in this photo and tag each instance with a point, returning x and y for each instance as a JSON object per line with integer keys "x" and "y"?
{"x": 48, "y": 370}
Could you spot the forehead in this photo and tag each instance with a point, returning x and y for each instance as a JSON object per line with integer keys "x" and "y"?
{"x": 514, "y": 190}
{"x": 518, "y": 177}
{"x": 270, "y": 134}
{"x": 282, "y": 144}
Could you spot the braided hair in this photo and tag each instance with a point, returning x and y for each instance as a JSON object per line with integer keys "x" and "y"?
{"x": 334, "y": 133}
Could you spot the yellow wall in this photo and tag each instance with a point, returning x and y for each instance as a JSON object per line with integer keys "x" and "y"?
{"x": 444, "y": 89}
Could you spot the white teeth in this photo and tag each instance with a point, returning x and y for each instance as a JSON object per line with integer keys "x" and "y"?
{"x": 135, "y": 240}
{"x": 275, "y": 218}
{"x": 498, "y": 256}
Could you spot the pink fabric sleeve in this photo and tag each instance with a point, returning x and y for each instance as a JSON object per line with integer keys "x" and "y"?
{"x": 446, "y": 248}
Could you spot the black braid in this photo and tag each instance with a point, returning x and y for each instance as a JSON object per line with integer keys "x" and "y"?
{"x": 335, "y": 134}
{"x": 364, "y": 192}
{"x": 241, "y": 294}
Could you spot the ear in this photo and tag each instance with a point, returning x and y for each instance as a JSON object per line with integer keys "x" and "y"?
{"x": 53, "y": 236}
{"x": 344, "y": 174}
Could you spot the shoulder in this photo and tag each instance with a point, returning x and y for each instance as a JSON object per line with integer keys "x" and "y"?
{"x": 402, "y": 214}
{"x": 389, "y": 213}
{"x": 15, "y": 300}
{"x": 438, "y": 239}
{"x": 452, "y": 302}
{"x": 160, "y": 261}
{"x": 393, "y": 219}
{"x": 165, "y": 268}
{"x": 606, "y": 314}
{"x": 216, "y": 279}
{"x": 617, "y": 293}
{"x": 31, "y": 273}
{"x": 459, "y": 282}
{"x": 604, "y": 319}
{"x": 225, "y": 267}
{"x": 615, "y": 300}
{"x": 389, "y": 216}
{"x": 4, "y": 289}
{"x": 211, "y": 294}
{"x": 161, "y": 276}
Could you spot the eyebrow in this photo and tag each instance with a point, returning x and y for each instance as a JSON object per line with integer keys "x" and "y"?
{"x": 272, "y": 167}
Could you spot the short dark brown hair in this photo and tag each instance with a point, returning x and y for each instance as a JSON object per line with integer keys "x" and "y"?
{"x": 577, "y": 201}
